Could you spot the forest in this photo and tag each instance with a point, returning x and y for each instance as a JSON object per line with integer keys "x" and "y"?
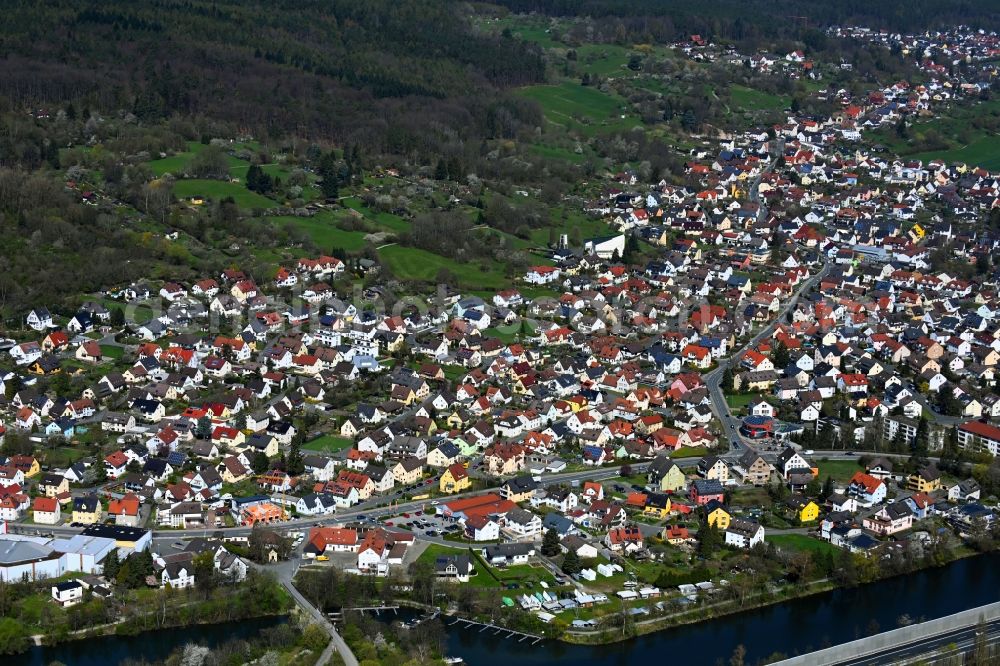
{"x": 731, "y": 18}
{"x": 396, "y": 76}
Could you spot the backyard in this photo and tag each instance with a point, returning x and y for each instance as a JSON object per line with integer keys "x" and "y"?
{"x": 801, "y": 543}
{"x": 328, "y": 444}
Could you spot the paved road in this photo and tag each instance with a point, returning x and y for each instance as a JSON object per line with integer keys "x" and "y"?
{"x": 373, "y": 508}
{"x": 713, "y": 379}
{"x": 930, "y": 410}
{"x": 730, "y": 425}
{"x": 285, "y": 573}
{"x": 950, "y": 644}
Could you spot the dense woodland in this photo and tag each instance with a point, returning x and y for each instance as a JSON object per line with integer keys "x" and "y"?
{"x": 394, "y": 75}
{"x": 736, "y": 19}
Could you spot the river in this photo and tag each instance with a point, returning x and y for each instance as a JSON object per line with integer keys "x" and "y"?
{"x": 792, "y": 627}
{"x": 149, "y": 645}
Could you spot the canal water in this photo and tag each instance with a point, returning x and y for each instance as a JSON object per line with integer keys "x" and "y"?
{"x": 793, "y": 627}
{"x": 150, "y": 645}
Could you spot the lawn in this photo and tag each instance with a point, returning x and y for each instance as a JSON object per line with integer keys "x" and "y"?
{"x": 510, "y": 333}
{"x": 741, "y": 400}
{"x": 328, "y": 443}
{"x": 220, "y": 189}
{"x": 481, "y": 579}
{"x": 63, "y": 456}
{"x": 751, "y": 497}
{"x": 689, "y": 452}
{"x": 135, "y": 312}
{"x": 840, "y": 471}
{"x": 112, "y": 351}
{"x": 408, "y": 263}
{"x": 435, "y": 550}
{"x": 454, "y": 372}
{"x": 802, "y": 543}
{"x": 749, "y": 99}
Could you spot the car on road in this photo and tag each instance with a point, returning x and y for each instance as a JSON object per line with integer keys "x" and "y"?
{"x": 322, "y": 558}
{"x": 388, "y": 523}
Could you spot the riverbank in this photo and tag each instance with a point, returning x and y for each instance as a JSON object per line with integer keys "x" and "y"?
{"x": 694, "y": 615}
{"x": 33, "y": 619}
{"x": 148, "y": 646}
{"x": 767, "y": 632}
{"x": 731, "y": 607}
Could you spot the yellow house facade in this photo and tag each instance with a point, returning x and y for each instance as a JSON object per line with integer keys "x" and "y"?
{"x": 656, "y": 507}
{"x": 924, "y": 481}
{"x": 455, "y": 479}
{"x": 407, "y": 472}
{"x": 719, "y": 518}
{"x": 87, "y": 510}
{"x": 809, "y": 512}
{"x": 673, "y": 481}
{"x": 27, "y": 464}
{"x": 51, "y": 486}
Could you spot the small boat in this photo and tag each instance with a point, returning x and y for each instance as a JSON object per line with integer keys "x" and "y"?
{"x": 453, "y": 660}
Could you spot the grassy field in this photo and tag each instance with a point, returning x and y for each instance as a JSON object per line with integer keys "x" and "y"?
{"x": 323, "y": 231}
{"x": 565, "y": 221}
{"x": 750, "y": 99}
{"x": 220, "y": 189}
{"x": 529, "y": 29}
{"x": 556, "y": 153}
{"x": 574, "y": 106}
{"x": 328, "y": 443}
{"x": 802, "y": 543}
{"x": 408, "y": 263}
{"x": 966, "y": 143}
{"x": 387, "y": 221}
{"x": 139, "y": 313}
{"x": 983, "y": 152}
{"x": 840, "y": 471}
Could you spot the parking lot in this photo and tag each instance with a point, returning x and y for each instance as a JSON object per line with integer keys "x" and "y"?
{"x": 424, "y": 523}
